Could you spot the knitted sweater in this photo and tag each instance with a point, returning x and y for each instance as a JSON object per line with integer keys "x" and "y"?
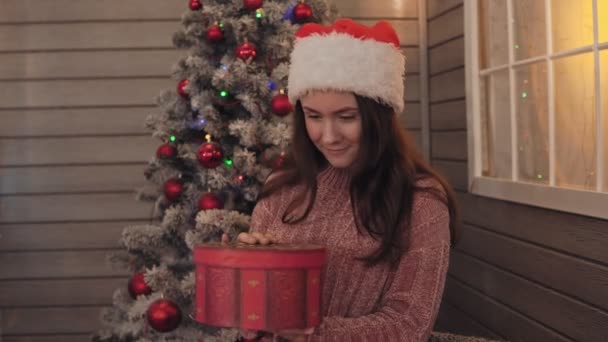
{"x": 360, "y": 303}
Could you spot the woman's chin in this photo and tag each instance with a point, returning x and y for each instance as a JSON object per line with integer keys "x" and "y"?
{"x": 339, "y": 162}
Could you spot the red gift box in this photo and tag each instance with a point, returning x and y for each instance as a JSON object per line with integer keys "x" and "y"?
{"x": 255, "y": 287}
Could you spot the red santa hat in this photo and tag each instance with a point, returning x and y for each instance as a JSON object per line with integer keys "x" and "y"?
{"x": 348, "y": 56}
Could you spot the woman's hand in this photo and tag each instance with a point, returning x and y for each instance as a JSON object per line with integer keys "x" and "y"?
{"x": 251, "y": 238}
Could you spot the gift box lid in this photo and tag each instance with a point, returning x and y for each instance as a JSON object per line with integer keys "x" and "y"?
{"x": 239, "y": 255}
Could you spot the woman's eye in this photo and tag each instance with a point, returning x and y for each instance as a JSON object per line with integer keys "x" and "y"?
{"x": 348, "y": 117}
{"x": 313, "y": 116}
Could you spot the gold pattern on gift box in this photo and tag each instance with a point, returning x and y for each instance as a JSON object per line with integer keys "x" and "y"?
{"x": 253, "y": 317}
{"x": 219, "y": 276}
{"x": 253, "y": 283}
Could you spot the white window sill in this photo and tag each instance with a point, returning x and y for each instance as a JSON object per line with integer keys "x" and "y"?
{"x": 588, "y": 203}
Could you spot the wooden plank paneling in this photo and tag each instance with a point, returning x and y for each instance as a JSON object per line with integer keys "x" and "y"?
{"x": 77, "y": 150}
{"x": 449, "y": 145}
{"x": 455, "y": 321}
{"x": 59, "y": 292}
{"x": 410, "y": 117}
{"x": 65, "y": 10}
{"x": 377, "y": 9}
{"x": 575, "y": 277}
{"x": 495, "y": 316}
{"x": 60, "y": 264}
{"x": 47, "y": 338}
{"x": 412, "y": 88}
{"x": 548, "y": 307}
{"x": 77, "y": 79}
{"x": 64, "y": 235}
{"x": 69, "y": 320}
{"x": 574, "y": 234}
{"x": 73, "y": 207}
{"x": 449, "y": 115}
{"x": 448, "y": 26}
{"x": 455, "y": 172}
{"x": 436, "y": 7}
{"x": 87, "y": 92}
{"x": 83, "y": 121}
{"x": 446, "y": 56}
{"x": 70, "y": 64}
{"x": 447, "y": 86}
{"x": 412, "y": 60}
{"x": 87, "y": 35}
{"x": 65, "y": 179}
{"x": 407, "y": 30}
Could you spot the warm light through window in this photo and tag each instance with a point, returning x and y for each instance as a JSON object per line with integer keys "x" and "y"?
{"x": 575, "y": 122}
{"x": 602, "y": 11}
{"x": 604, "y": 92}
{"x": 556, "y": 81}
{"x": 572, "y": 24}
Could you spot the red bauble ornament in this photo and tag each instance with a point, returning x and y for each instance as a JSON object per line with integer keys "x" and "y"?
{"x": 281, "y": 105}
{"x": 163, "y": 315}
{"x": 246, "y": 51}
{"x": 215, "y": 34}
{"x": 166, "y": 151}
{"x": 181, "y": 88}
{"x": 210, "y": 155}
{"x": 173, "y": 189}
{"x": 138, "y": 286}
{"x": 302, "y": 13}
{"x": 195, "y": 5}
{"x": 278, "y": 162}
{"x": 252, "y": 5}
{"x": 210, "y": 201}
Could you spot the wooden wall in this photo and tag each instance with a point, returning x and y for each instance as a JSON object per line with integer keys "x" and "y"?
{"x": 77, "y": 79}
{"x": 519, "y": 273}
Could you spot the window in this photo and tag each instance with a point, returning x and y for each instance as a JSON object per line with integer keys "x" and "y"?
{"x": 537, "y": 102}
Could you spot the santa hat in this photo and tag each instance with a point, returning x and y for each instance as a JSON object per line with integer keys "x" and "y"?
{"x": 348, "y": 56}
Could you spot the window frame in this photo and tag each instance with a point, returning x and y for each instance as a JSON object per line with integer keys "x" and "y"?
{"x": 584, "y": 202}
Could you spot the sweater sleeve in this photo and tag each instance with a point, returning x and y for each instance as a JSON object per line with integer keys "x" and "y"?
{"x": 261, "y": 216}
{"x": 411, "y": 300}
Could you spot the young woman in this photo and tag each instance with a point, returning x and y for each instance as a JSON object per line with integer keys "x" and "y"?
{"x": 355, "y": 184}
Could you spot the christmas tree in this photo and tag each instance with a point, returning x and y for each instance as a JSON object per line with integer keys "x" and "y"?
{"x": 222, "y": 130}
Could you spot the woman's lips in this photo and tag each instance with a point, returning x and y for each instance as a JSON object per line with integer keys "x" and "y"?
{"x": 336, "y": 151}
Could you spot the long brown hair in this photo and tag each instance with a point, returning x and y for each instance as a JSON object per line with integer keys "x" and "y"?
{"x": 383, "y": 182}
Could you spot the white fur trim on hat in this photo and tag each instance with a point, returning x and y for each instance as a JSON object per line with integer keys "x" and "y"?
{"x": 338, "y": 61}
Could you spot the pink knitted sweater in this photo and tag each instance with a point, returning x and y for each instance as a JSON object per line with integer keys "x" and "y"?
{"x": 362, "y": 303}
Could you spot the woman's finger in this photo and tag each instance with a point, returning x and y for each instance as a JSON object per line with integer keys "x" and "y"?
{"x": 247, "y": 238}
{"x": 308, "y": 331}
{"x": 261, "y": 238}
{"x": 270, "y": 237}
{"x": 225, "y": 238}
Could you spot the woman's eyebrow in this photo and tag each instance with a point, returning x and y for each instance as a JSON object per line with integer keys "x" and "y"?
{"x": 341, "y": 110}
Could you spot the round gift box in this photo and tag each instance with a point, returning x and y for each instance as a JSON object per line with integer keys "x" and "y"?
{"x": 256, "y": 287}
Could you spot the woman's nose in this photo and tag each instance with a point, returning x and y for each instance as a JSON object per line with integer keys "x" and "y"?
{"x": 329, "y": 134}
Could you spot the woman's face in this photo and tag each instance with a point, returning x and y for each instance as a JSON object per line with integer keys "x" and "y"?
{"x": 333, "y": 123}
